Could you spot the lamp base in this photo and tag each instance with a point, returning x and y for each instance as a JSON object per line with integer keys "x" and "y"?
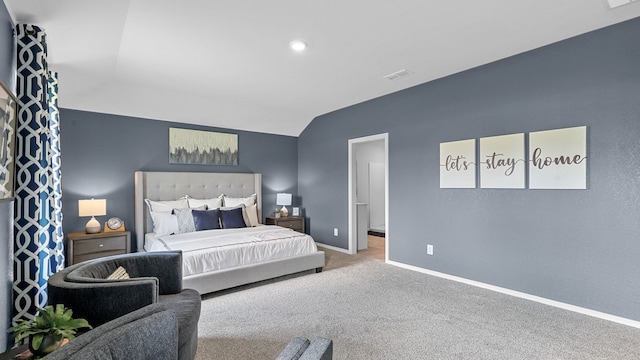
{"x": 284, "y": 211}
{"x": 92, "y": 227}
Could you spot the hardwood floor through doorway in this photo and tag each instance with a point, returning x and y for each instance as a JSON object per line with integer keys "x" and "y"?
{"x": 375, "y": 248}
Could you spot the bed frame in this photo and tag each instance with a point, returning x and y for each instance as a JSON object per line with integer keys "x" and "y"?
{"x": 200, "y": 185}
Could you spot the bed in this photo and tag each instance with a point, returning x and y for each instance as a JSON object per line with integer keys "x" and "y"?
{"x": 199, "y": 271}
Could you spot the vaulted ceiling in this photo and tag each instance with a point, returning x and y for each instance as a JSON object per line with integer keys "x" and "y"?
{"x": 228, "y": 63}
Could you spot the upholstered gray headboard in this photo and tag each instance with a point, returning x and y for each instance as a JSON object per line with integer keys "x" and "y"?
{"x": 198, "y": 185}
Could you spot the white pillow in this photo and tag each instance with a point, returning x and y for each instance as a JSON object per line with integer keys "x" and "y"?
{"x": 252, "y": 215}
{"x": 166, "y": 206}
{"x": 247, "y": 201}
{"x": 209, "y": 203}
{"x": 164, "y": 223}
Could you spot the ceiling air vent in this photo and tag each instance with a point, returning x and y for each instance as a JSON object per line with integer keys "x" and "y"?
{"x": 397, "y": 75}
{"x": 616, "y": 3}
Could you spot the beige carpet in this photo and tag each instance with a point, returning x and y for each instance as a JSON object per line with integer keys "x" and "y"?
{"x": 376, "y": 311}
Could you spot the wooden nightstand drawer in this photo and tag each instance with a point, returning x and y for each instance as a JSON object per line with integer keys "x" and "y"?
{"x": 82, "y": 247}
{"x": 292, "y": 222}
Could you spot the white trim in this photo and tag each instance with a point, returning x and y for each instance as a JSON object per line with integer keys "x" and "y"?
{"x": 353, "y": 246}
{"x": 333, "y": 248}
{"x": 538, "y": 299}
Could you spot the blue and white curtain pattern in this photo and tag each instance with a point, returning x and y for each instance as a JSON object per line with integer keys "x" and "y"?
{"x": 38, "y": 244}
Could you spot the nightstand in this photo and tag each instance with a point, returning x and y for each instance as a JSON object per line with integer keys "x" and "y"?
{"x": 82, "y": 246}
{"x": 292, "y": 222}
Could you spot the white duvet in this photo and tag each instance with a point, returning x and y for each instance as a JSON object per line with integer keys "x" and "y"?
{"x": 211, "y": 250}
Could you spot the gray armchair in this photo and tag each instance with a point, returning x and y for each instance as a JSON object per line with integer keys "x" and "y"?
{"x": 147, "y": 333}
{"x": 154, "y": 278}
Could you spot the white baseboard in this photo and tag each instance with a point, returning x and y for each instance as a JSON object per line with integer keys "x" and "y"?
{"x": 334, "y": 248}
{"x": 558, "y": 304}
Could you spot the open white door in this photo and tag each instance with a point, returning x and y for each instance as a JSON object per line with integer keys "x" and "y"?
{"x": 381, "y": 190}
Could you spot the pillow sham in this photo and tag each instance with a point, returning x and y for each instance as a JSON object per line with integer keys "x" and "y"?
{"x": 164, "y": 223}
{"x": 206, "y": 219}
{"x": 245, "y": 217}
{"x": 209, "y": 203}
{"x": 252, "y": 215}
{"x": 247, "y": 201}
{"x": 232, "y": 218}
{"x": 166, "y": 206}
{"x": 185, "y": 219}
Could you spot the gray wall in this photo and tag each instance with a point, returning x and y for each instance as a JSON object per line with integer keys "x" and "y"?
{"x": 579, "y": 247}
{"x": 7, "y": 76}
{"x": 100, "y": 153}
{"x": 8, "y": 53}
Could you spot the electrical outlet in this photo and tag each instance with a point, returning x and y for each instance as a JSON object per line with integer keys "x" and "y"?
{"x": 429, "y": 249}
{"x": 335, "y": 231}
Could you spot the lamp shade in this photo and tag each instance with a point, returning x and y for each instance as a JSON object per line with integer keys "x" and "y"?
{"x": 93, "y": 207}
{"x": 283, "y": 199}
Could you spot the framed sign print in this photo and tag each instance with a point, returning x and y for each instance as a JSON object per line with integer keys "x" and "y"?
{"x": 558, "y": 159}
{"x": 502, "y": 162}
{"x": 458, "y": 164}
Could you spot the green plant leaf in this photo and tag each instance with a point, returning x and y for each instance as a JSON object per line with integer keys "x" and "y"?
{"x": 36, "y": 340}
{"x": 57, "y": 321}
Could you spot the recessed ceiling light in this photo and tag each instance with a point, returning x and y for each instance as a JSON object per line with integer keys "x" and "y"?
{"x": 298, "y": 45}
{"x": 616, "y": 3}
{"x": 398, "y": 74}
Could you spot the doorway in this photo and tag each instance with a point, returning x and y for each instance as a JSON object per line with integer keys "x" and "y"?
{"x": 368, "y": 192}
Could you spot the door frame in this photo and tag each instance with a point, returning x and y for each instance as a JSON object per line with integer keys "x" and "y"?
{"x": 353, "y": 239}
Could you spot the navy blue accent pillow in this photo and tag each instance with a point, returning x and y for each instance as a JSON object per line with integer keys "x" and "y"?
{"x": 206, "y": 219}
{"x": 232, "y": 219}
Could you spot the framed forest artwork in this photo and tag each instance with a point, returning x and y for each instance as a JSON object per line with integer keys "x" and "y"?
{"x": 188, "y": 146}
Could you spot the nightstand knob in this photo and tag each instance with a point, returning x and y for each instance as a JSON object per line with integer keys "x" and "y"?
{"x": 101, "y": 245}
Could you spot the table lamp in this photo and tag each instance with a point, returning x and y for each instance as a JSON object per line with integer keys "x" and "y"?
{"x": 283, "y": 199}
{"x": 93, "y": 207}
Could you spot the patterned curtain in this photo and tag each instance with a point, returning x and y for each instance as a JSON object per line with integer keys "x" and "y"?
{"x": 38, "y": 224}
